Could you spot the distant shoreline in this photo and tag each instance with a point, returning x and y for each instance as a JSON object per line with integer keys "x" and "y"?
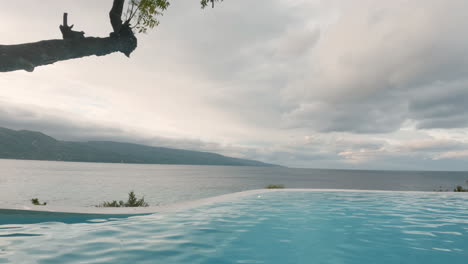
{"x": 164, "y": 164}
{"x": 33, "y": 145}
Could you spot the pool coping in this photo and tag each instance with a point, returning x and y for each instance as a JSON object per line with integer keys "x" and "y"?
{"x": 187, "y": 204}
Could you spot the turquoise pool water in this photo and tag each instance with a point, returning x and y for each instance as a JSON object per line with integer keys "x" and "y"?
{"x": 276, "y": 227}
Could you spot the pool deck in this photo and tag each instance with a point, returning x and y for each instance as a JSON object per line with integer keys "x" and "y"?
{"x": 185, "y": 205}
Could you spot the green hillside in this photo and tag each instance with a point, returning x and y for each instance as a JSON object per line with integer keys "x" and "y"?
{"x": 31, "y": 145}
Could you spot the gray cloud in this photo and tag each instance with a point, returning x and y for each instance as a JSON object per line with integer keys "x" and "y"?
{"x": 58, "y": 125}
{"x": 360, "y": 117}
{"x": 367, "y": 72}
{"x": 434, "y": 145}
{"x": 65, "y": 126}
{"x": 441, "y": 105}
{"x": 373, "y": 75}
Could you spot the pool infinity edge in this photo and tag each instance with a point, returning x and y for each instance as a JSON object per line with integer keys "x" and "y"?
{"x": 187, "y": 204}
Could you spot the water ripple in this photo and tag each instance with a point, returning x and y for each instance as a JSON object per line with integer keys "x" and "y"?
{"x": 281, "y": 227}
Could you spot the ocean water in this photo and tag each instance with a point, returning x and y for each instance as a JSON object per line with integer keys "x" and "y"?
{"x": 275, "y": 227}
{"x": 87, "y": 184}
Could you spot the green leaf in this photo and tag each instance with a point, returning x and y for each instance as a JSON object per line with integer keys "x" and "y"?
{"x": 142, "y": 14}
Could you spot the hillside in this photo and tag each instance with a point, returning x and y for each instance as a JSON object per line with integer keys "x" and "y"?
{"x": 31, "y": 145}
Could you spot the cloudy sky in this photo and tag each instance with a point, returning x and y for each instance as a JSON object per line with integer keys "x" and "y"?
{"x": 359, "y": 84}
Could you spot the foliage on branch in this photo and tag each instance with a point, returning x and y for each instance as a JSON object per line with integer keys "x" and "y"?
{"x": 204, "y": 3}
{"x": 126, "y": 18}
{"x": 142, "y": 14}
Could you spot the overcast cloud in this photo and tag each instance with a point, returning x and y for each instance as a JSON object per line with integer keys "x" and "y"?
{"x": 329, "y": 84}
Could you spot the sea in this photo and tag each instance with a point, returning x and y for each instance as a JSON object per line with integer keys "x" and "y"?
{"x": 89, "y": 184}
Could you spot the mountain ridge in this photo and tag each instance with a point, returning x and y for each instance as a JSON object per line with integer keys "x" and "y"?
{"x": 34, "y": 145}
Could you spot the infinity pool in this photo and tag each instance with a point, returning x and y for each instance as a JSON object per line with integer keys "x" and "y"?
{"x": 273, "y": 227}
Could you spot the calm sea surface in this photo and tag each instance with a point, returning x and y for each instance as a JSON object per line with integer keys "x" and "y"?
{"x": 87, "y": 184}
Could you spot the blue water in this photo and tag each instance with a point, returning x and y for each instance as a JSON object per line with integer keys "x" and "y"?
{"x": 279, "y": 227}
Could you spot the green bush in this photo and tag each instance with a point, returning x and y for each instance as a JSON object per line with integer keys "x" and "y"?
{"x": 460, "y": 189}
{"x": 275, "y": 186}
{"x": 132, "y": 201}
{"x": 36, "y": 201}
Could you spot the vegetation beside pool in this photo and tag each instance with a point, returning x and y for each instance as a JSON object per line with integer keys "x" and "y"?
{"x": 35, "y": 201}
{"x": 460, "y": 189}
{"x": 275, "y": 186}
{"x": 132, "y": 201}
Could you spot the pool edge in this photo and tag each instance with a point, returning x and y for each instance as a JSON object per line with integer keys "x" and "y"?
{"x": 189, "y": 204}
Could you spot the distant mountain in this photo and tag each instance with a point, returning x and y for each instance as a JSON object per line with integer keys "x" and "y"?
{"x": 31, "y": 145}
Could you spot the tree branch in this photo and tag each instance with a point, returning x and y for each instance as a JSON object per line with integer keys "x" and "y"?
{"x": 115, "y": 15}
{"x": 67, "y": 31}
{"x": 73, "y": 45}
{"x": 31, "y": 55}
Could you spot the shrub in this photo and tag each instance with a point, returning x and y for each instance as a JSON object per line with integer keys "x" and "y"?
{"x": 275, "y": 186}
{"x": 112, "y": 204}
{"x": 132, "y": 201}
{"x": 460, "y": 189}
{"x": 36, "y": 201}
